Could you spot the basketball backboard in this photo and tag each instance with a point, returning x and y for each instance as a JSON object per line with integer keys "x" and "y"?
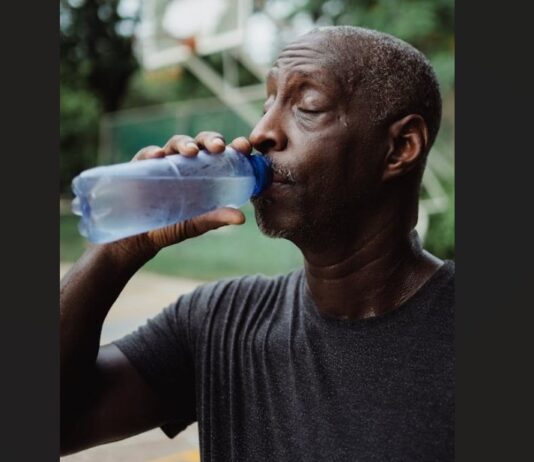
{"x": 171, "y": 30}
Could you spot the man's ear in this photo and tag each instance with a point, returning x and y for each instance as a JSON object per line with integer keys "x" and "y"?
{"x": 408, "y": 141}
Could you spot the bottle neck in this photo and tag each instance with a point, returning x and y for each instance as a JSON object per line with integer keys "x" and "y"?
{"x": 261, "y": 166}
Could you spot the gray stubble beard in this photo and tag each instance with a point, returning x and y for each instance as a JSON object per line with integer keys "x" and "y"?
{"x": 260, "y": 203}
{"x": 306, "y": 234}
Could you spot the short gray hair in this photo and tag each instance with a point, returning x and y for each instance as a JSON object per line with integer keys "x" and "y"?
{"x": 396, "y": 78}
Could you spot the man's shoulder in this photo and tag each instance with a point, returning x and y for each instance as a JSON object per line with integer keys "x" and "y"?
{"x": 439, "y": 290}
{"x": 248, "y": 291}
{"x": 450, "y": 266}
{"x": 251, "y": 283}
{"x": 445, "y": 284}
{"x": 446, "y": 271}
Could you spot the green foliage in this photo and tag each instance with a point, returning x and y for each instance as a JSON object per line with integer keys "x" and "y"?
{"x": 443, "y": 64}
{"x": 440, "y": 236}
{"x": 96, "y": 49}
{"x": 96, "y": 64}
{"x": 71, "y": 243}
{"x": 79, "y": 117}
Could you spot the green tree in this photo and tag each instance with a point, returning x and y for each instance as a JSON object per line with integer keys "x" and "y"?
{"x": 96, "y": 49}
{"x": 79, "y": 117}
{"x": 96, "y": 64}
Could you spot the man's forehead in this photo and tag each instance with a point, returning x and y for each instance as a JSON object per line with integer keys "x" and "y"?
{"x": 303, "y": 60}
{"x": 311, "y": 58}
{"x": 313, "y": 73}
{"x": 306, "y": 49}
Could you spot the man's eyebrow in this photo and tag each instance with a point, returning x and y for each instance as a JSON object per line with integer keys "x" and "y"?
{"x": 308, "y": 77}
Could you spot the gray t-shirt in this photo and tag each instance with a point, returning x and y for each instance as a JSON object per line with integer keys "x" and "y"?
{"x": 269, "y": 378}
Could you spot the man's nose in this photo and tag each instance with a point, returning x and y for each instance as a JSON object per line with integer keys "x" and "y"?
{"x": 268, "y": 134}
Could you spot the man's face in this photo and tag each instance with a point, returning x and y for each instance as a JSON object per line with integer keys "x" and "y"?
{"x": 325, "y": 153}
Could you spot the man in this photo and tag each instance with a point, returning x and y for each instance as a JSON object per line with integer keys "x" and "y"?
{"x": 347, "y": 359}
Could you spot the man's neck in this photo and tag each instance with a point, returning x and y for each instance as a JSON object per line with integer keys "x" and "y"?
{"x": 370, "y": 277}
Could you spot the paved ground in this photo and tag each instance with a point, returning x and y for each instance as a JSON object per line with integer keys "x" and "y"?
{"x": 145, "y": 295}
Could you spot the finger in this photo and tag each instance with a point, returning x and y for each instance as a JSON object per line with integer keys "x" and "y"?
{"x": 242, "y": 145}
{"x": 196, "y": 226}
{"x": 212, "y": 220}
{"x": 211, "y": 141}
{"x": 181, "y": 144}
{"x": 149, "y": 152}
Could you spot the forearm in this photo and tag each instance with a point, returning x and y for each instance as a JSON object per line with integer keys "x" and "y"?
{"x": 87, "y": 293}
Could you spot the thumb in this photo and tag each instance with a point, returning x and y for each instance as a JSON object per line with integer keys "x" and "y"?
{"x": 196, "y": 226}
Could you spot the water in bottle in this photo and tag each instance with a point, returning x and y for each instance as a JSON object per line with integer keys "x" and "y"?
{"x": 122, "y": 200}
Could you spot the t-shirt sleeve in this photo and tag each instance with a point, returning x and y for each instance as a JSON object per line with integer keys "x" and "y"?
{"x": 170, "y": 350}
{"x": 162, "y": 351}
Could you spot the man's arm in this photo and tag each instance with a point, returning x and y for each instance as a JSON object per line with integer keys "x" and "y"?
{"x": 97, "y": 384}
{"x": 103, "y": 397}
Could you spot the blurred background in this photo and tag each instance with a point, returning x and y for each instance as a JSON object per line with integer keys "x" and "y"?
{"x": 135, "y": 72}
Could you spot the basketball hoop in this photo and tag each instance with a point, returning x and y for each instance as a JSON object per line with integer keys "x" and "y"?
{"x": 190, "y": 43}
{"x": 171, "y": 31}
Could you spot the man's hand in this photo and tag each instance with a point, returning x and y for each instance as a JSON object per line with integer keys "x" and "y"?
{"x": 152, "y": 241}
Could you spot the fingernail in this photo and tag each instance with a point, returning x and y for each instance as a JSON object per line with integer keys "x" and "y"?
{"x": 191, "y": 145}
{"x": 219, "y": 142}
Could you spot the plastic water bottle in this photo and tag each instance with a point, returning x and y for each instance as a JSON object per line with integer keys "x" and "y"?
{"x": 125, "y": 199}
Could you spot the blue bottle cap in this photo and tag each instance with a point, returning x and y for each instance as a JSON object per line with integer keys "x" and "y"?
{"x": 262, "y": 171}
